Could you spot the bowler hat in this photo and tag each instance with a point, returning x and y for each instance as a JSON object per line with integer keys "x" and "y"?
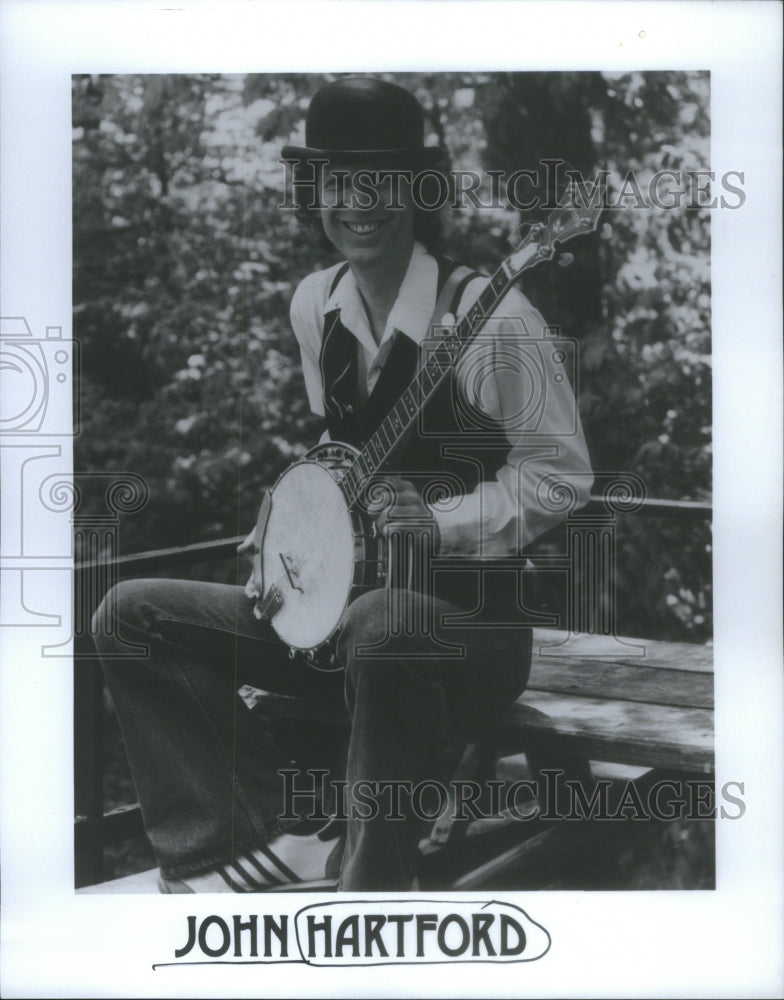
{"x": 365, "y": 120}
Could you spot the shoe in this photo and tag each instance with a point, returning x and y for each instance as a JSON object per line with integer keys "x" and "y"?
{"x": 288, "y": 863}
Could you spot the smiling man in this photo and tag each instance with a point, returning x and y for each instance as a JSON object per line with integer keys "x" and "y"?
{"x": 471, "y": 469}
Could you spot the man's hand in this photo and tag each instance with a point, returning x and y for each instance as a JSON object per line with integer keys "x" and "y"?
{"x": 407, "y": 504}
{"x": 254, "y": 588}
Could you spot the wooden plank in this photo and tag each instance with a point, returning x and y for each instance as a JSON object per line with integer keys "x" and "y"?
{"x": 549, "y": 644}
{"x": 139, "y": 883}
{"x": 619, "y": 681}
{"x": 515, "y": 768}
{"x": 531, "y": 848}
{"x": 623, "y": 731}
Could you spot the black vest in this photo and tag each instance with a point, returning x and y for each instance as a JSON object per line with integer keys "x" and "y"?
{"x": 446, "y": 424}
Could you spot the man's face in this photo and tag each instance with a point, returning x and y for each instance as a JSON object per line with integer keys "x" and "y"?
{"x": 367, "y": 213}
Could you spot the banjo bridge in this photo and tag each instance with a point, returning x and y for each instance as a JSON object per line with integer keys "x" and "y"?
{"x": 291, "y": 572}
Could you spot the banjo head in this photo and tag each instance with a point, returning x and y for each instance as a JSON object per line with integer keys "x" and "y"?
{"x": 308, "y": 554}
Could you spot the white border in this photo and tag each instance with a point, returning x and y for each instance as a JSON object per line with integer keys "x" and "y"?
{"x": 725, "y": 943}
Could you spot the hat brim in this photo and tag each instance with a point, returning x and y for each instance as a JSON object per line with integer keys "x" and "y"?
{"x": 417, "y": 156}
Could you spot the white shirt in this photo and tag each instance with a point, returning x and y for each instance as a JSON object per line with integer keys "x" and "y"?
{"x": 513, "y": 373}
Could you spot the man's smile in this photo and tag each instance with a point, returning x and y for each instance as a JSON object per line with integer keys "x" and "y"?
{"x": 364, "y": 228}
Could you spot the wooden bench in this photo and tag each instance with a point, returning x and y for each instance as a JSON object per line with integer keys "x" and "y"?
{"x": 594, "y": 708}
{"x": 594, "y": 711}
{"x": 648, "y": 704}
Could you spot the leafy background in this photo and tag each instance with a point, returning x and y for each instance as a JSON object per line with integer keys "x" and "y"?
{"x": 184, "y": 266}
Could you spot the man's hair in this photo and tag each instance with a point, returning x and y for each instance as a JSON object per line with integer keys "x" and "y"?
{"x": 428, "y": 227}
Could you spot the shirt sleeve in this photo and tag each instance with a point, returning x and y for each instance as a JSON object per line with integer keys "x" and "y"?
{"x": 307, "y": 318}
{"x": 520, "y": 373}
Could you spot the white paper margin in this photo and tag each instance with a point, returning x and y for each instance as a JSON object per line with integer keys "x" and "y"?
{"x": 722, "y": 943}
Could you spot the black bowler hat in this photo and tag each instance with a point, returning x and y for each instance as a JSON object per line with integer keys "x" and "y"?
{"x": 364, "y": 120}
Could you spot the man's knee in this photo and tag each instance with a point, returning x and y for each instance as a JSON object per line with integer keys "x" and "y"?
{"x": 382, "y": 625}
{"x": 382, "y": 643}
{"x": 125, "y": 602}
{"x": 400, "y": 615}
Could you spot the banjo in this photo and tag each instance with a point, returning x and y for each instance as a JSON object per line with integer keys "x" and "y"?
{"x": 318, "y": 545}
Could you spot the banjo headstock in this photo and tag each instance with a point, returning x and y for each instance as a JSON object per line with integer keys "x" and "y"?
{"x": 576, "y": 213}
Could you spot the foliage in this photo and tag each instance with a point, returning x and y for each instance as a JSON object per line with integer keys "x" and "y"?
{"x": 184, "y": 266}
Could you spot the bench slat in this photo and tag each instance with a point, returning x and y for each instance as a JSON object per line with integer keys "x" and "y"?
{"x": 619, "y": 681}
{"x": 623, "y": 731}
{"x": 690, "y": 656}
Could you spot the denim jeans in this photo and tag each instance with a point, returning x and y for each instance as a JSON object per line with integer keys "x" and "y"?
{"x": 206, "y": 768}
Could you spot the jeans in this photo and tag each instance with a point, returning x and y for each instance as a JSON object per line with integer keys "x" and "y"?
{"x": 206, "y": 768}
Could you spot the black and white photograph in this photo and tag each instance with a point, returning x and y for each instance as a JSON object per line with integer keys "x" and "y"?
{"x": 377, "y": 510}
{"x": 282, "y": 300}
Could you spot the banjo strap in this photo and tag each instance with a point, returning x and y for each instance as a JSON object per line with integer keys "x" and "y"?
{"x": 451, "y": 292}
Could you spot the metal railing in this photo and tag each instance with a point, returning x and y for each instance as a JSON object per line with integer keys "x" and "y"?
{"x": 94, "y": 828}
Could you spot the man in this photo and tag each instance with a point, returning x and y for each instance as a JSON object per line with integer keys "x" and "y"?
{"x": 211, "y": 807}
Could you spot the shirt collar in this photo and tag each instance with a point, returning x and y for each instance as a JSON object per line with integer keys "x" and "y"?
{"x": 411, "y": 312}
